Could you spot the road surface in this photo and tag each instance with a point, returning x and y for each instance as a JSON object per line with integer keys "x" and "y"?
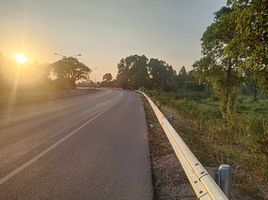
{"x": 85, "y": 147}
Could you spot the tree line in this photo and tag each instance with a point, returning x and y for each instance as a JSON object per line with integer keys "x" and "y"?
{"x": 234, "y": 58}
{"x": 138, "y": 71}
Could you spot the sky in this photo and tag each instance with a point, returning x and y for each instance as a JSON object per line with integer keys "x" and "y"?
{"x": 104, "y": 31}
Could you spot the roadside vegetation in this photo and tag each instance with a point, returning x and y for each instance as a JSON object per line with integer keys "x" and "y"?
{"x": 243, "y": 145}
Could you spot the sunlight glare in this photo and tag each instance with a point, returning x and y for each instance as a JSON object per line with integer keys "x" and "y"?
{"x": 21, "y": 58}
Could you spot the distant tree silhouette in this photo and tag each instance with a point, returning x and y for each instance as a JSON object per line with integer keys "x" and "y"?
{"x": 68, "y": 70}
{"x": 107, "y": 80}
{"x": 182, "y": 78}
{"x": 107, "y": 77}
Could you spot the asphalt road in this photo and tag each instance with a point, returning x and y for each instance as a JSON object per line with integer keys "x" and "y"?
{"x": 85, "y": 147}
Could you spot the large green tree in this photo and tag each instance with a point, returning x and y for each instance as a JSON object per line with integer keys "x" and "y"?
{"x": 68, "y": 70}
{"x": 132, "y": 72}
{"x": 217, "y": 66}
{"x": 251, "y": 38}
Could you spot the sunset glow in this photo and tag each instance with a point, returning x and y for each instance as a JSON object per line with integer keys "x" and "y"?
{"x": 21, "y": 58}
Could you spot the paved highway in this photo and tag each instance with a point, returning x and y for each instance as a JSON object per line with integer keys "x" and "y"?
{"x": 85, "y": 147}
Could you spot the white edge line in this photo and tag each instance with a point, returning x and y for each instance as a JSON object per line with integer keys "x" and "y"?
{"x": 29, "y": 162}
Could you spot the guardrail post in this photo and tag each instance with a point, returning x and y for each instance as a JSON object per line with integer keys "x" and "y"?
{"x": 225, "y": 178}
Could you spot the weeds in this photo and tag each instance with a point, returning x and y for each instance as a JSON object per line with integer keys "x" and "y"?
{"x": 244, "y": 145}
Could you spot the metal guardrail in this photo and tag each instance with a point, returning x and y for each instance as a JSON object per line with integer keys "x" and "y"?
{"x": 203, "y": 184}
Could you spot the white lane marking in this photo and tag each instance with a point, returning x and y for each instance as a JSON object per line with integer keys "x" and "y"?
{"x": 26, "y": 164}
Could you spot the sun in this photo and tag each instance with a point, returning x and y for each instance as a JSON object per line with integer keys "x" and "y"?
{"x": 21, "y": 58}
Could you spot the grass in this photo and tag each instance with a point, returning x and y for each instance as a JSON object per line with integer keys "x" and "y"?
{"x": 244, "y": 146}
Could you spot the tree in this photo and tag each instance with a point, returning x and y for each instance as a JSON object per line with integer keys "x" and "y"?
{"x": 162, "y": 74}
{"x": 182, "y": 71}
{"x": 182, "y": 77}
{"x": 251, "y": 38}
{"x": 133, "y": 72}
{"x": 123, "y": 74}
{"x": 68, "y": 70}
{"x": 217, "y": 66}
{"x": 192, "y": 84}
{"x": 107, "y": 80}
{"x": 107, "y": 77}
